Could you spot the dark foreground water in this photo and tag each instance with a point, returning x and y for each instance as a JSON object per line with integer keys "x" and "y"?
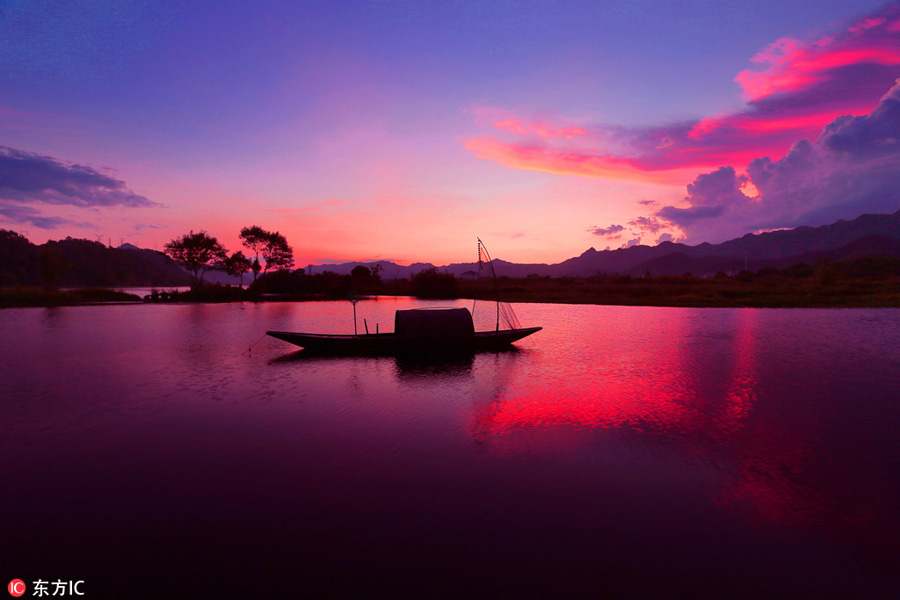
{"x": 621, "y": 452}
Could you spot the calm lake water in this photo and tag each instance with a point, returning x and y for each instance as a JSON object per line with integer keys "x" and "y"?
{"x": 620, "y": 452}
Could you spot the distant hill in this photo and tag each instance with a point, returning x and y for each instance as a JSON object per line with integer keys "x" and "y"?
{"x": 73, "y": 262}
{"x": 389, "y": 270}
{"x": 76, "y": 263}
{"x": 752, "y": 251}
{"x": 679, "y": 263}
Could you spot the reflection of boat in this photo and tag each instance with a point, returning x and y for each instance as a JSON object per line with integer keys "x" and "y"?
{"x": 416, "y": 330}
{"x": 423, "y": 329}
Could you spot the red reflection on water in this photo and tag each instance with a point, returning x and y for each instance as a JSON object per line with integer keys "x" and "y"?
{"x": 703, "y": 394}
{"x": 659, "y": 386}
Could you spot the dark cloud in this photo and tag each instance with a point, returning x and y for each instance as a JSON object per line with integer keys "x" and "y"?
{"x": 27, "y": 215}
{"x": 684, "y": 216}
{"x": 875, "y": 134}
{"x": 30, "y": 178}
{"x": 606, "y": 231}
{"x": 851, "y": 169}
{"x": 721, "y": 187}
{"x": 647, "y": 224}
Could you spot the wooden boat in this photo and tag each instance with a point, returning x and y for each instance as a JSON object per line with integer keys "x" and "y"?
{"x": 421, "y": 330}
{"x": 416, "y": 330}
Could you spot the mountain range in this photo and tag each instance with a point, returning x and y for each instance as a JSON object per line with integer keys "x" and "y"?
{"x": 73, "y": 262}
{"x": 867, "y": 235}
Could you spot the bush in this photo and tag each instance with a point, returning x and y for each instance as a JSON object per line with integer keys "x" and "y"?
{"x": 433, "y": 284}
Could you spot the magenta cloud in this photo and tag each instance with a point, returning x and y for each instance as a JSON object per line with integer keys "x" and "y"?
{"x": 792, "y": 90}
{"x": 853, "y": 167}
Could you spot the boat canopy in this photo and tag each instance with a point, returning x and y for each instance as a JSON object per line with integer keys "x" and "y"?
{"x": 434, "y": 323}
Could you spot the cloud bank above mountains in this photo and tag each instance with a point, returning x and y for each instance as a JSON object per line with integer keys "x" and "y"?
{"x": 852, "y": 168}
{"x": 759, "y": 168}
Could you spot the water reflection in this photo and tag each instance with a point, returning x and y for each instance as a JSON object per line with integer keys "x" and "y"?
{"x": 702, "y": 392}
{"x": 619, "y": 445}
{"x": 414, "y": 368}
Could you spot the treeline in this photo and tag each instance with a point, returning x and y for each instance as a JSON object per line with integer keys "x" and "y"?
{"x": 199, "y": 252}
{"x": 362, "y": 281}
{"x": 865, "y": 281}
{"x": 859, "y": 281}
{"x": 82, "y": 263}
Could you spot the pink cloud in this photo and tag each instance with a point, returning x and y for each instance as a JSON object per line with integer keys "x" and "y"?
{"x": 802, "y": 66}
{"x": 868, "y": 24}
{"x": 533, "y": 157}
{"x": 798, "y": 88}
{"x": 542, "y": 129}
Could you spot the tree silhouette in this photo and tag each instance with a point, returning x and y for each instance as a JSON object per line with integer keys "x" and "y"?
{"x": 432, "y": 283}
{"x": 254, "y": 239}
{"x": 277, "y": 253}
{"x": 238, "y": 264}
{"x": 271, "y": 246}
{"x": 361, "y": 272}
{"x": 197, "y": 252}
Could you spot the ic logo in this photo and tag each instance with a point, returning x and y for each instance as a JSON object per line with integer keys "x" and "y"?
{"x": 16, "y": 588}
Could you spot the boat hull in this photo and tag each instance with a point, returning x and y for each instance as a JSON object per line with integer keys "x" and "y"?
{"x": 391, "y": 343}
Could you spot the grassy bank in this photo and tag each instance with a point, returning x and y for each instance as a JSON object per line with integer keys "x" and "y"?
{"x": 19, "y": 297}
{"x": 690, "y": 292}
{"x": 726, "y": 292}
{"x": 746, "y": 290}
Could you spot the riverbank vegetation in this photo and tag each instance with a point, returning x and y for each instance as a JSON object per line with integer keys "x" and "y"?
{"x": 83, "y": 263}
{"x": 19, "y": 297}
{"x": 863, "y": 282}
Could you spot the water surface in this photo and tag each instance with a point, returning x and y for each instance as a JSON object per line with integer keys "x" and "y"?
{"x": 621, "y": 451}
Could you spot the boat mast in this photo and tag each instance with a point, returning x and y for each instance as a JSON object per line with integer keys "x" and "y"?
{"x": 490, "y": 262}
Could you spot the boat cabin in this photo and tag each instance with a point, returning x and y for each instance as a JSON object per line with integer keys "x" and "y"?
{"x": 435, "y": 323}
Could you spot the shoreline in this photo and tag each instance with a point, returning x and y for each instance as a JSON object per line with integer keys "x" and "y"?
{"x": 632, "y": 295}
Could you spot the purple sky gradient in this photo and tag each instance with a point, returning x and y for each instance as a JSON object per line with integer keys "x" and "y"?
{"x": 401, "y": 130}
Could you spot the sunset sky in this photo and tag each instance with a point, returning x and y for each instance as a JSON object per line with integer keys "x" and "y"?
{"x": 394, "y": 130}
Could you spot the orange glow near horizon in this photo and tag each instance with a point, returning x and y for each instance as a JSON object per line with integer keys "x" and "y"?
{"x": 573, "y": 162}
